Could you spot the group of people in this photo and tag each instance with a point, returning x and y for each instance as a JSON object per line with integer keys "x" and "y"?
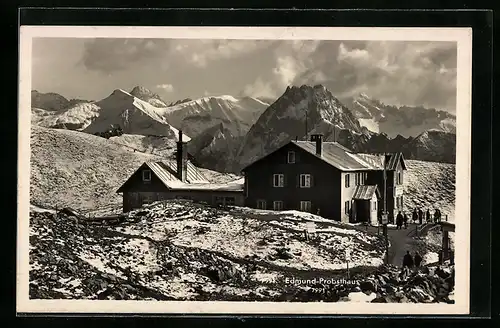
{"x": 417, "y": 216}
{"x": 411, "y": 261}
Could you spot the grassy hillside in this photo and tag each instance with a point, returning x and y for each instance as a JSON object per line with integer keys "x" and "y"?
{"x": 70, "y": 168}
{"x": 430, "y": 185}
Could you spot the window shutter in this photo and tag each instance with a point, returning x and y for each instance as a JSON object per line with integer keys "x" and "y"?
{"x": 312, "y": 180}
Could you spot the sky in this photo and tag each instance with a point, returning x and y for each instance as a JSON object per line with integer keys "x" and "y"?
{"x": 416, "y": 73}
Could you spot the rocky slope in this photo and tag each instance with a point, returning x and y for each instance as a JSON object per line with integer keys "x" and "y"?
{"x": 216, "y": 148}
{"x": 184, "y": 251}
{"x": 148, "y": 96}
{"x": 430, "y": 185}
{"x": 405, "y": 120}
{"x": 196, "y": 116}
{"x": 70, "y": 168}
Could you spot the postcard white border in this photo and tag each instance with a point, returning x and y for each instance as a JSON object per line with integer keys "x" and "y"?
{"x": 463, "y": 37}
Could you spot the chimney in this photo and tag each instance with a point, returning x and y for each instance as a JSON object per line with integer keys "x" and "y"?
{"x": 318, "y": 139}
{"x": 181, "y": 159}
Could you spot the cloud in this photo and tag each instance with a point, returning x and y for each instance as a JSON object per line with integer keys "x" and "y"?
{"x": 396, "y": 72}
{"x": 111, "y": 55}
{"x": 291, "y": 59}
{"x": 166, "y": 87}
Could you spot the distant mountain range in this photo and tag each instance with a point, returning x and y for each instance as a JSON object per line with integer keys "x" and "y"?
{"x": 393, "y": 121}
{"x": 285, "y": 120}
{"x": 226, "y": 132}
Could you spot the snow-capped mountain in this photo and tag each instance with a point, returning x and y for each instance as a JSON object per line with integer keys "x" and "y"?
{"x": 285, "y": 120}
{"x": 180, "y": 101}
{"x": 405, "y": 120}
{"x": 148, "y": 96}
{"x": 196, "y": 116}
{"x": 133, "y": 115}
{"x": 76, "y": 117}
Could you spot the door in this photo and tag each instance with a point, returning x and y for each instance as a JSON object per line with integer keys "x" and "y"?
{"x": 361, "y": 210}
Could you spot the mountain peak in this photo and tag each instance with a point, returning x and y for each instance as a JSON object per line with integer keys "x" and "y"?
{"x": 148, "y": 96}
{"x": 141, "y": 90}
{"x": 120, "y": 92}
{"x": 363, "y": 95}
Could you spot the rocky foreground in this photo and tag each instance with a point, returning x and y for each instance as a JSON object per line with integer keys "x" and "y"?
{"x": 162, "y": 253}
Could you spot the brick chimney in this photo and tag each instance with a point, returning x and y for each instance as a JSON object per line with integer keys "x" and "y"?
{"x": 318, "y": 139}
{"x": 182, "y": 158}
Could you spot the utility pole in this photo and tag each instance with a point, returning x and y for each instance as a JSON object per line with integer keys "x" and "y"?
{"x": 385, "y": 221}
{"x": 305, "y": 113}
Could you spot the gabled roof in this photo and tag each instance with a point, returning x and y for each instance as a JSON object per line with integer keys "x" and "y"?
{"x": 166, "y": 172}
{"x": 365, "y": 192}
{"x": 345, "y": 159}
{"x": 391, "y": 160}
{"x": 336, "y": 155}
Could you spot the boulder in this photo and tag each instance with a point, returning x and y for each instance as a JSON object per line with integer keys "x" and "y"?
{"x": 367, "y": 286}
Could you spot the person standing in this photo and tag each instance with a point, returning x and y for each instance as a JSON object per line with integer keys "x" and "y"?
{"x": 417, "y": 260}
{"x": 405, "y": 220}
{"x": 436, "y": 215}
{"x": 420, "y": 216}
{"x": 407, "y": 260}
{"x": 428, "y": 216}
{"x": 399, "y": 220}
{"x": 414, "y": 216}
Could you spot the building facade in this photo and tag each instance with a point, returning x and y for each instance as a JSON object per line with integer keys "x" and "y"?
{"x": 325, "y": 178}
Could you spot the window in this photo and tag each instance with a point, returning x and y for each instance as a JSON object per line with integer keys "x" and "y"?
{"x": 374, "y": 206}
{"x": 347, "y": 180}
{"x": 347, "y": 207}
{"x": 278, "y": 205}
{"x": 401, "y": 201}
{"x": 305, "y": 181}
{"x": 261, "y": 204}
{"x": 278, "y": 180}
{"x": 359, "y": 179}
{"x": 146, "y": 175}
{"x": 291, "y": 157}
{"x": 229, "y": 201}
{"x": 305, "y": 206}
{"x": 399, "y": 178}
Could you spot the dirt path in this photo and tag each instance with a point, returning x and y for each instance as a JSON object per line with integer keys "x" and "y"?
{"x": 400, "y": 241}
